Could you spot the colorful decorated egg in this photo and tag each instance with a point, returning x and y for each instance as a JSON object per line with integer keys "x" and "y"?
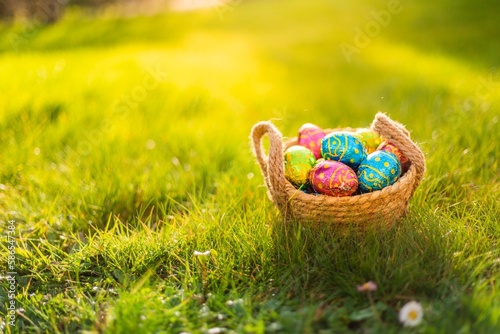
{"x": 403, "y": 159}
{"x": 310, "y": 136}
{"x": 344, "y": 147}
{"x": 379, "y": 170}
{"x": 298, "y": 163}
{"x": 333, "y": 178}
{"x": 370, "y": 139}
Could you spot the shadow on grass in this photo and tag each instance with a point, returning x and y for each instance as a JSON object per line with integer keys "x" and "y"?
{"x": 411, "y": 260}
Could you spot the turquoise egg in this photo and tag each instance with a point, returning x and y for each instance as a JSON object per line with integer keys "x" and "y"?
{"x": 343, "y": 146}
{"x": 378, "y": 170}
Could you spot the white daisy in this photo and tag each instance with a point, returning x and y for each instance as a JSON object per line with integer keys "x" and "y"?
{"x": 411, "y": 314}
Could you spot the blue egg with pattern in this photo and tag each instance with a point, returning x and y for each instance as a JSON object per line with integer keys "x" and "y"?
{"x": 343, "y": 146}
{"x": 379, "y": 170}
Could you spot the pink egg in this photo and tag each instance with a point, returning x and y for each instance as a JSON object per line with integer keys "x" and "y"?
{"x": 310, "y": 136}
{"x": 333, "y": 178}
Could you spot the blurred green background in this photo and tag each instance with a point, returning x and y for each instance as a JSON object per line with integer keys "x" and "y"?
{"x": 138, "y": 114}
{"x": 197, "y": 80}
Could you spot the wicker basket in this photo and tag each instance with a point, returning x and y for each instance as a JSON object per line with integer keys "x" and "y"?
{"x": 385, "y": 206}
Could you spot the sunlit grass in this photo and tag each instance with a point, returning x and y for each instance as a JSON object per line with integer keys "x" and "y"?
{"x": 125, "y": 149}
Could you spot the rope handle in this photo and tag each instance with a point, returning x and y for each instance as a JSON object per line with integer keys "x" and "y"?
{"x": 272, "y": 169}
{"x": 397, "y": 134}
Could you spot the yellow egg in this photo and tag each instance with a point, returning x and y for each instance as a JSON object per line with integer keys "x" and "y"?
{"x": 370, "y": 139}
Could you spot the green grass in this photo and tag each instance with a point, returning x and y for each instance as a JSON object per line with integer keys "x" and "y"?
{"x": 125, "y": 148}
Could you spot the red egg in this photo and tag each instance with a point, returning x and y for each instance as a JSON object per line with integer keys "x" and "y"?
{"x": 403, "y": 159}
{"x": 310, "y": 136}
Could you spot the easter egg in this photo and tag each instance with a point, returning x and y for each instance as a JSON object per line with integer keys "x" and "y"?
{"x": 403, "y": 159}
{"x": 369, "y": 138}
{"x": 310, "y": 136}
{"x": 344, "y": 147}
{"x": 333, "y": 178}
{"x": 298, "y": 163}
{"x": 379, "y": 170}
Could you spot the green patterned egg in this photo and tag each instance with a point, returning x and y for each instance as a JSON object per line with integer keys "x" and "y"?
{"x": 299, "y": 161}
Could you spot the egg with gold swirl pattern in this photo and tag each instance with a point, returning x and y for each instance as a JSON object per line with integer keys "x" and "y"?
{"x": 378, "y": 170}
{"x": 344, "y": 147}
{"x": 333, "y": 178}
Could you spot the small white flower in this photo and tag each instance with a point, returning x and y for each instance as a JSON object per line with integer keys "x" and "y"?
{"x": 411, "y": 314}
{"x": 206, "y": 253}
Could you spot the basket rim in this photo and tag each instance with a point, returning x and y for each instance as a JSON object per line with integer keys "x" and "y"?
{"x": 398, "y": 187}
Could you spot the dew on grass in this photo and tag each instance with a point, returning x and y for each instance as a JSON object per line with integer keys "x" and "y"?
{"x": 59, "y": 66}
{"x": 234, "y": 302}
{"x": 274, "y": 327}
{"x": 175, "y": 161}
{"x": 204, "y": 311}
{"x": 150, "y": 144}
{"x": 42, "y": 73}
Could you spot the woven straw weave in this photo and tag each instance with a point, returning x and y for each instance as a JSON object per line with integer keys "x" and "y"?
{"x": 382, "y": 207}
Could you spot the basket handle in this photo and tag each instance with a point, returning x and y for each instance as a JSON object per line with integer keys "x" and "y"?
{"x": 397, "y": 134}
{"x": 272, "y": 167}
